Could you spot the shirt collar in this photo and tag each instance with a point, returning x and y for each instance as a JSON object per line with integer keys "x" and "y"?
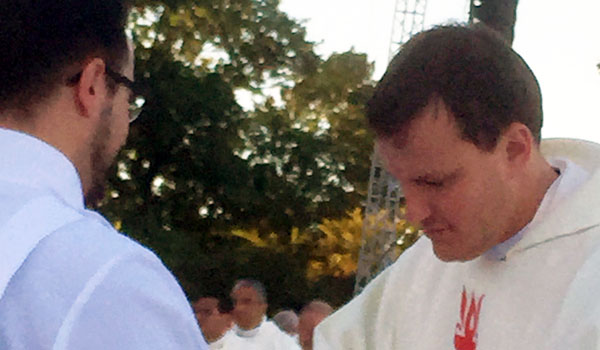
{"x": 249, "y": 333}
{"x": 31, "y": 162}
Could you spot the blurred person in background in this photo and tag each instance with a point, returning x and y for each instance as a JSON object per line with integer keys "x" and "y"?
{"x": 310, "y": 316}
{"x": 287, "y": 321}
{"x": 204, "y": 307}
{"x": 252, "y": 329}
{"x": 215, "y": 320}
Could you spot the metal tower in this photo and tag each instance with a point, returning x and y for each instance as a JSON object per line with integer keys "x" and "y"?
{"x": 382, "y": 211}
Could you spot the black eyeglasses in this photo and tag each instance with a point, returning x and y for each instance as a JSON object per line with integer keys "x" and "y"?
{"x": 136, "y": 99}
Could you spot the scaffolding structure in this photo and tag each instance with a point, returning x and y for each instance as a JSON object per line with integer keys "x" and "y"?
{"x": 382, "y": 210}
{"x": 409, "y": 19}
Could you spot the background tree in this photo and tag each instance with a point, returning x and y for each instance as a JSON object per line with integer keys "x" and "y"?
{"x": 268, "y": 191}
{"x": 199, "y": 172}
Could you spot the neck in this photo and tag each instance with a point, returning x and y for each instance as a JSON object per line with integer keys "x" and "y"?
{"x": 57, "y": 127}
{"x": 249, "y": 331}
{"x": 532, "y": 194}
{"x": 213, "y": 338}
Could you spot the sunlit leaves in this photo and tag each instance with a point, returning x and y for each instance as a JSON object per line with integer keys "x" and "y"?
{"x": 254, "y": 40}
{"x": 337, "y": 250}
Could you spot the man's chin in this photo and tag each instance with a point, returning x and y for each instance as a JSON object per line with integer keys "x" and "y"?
{"x": 447, "y": 254}
{"x": 247, "y": 326}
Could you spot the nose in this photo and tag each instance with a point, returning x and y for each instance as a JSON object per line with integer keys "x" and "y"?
{"x": 417, "y": 207}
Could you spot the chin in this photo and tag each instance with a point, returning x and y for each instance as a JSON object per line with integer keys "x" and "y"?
{"x": 447, "y": 255}
{"x": 244, "y": 325}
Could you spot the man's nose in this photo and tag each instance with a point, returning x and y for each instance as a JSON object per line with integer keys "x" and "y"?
{"x": 417, "y": 207}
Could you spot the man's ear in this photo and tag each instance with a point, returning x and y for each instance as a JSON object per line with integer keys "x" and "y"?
{"x": 90, "y": 91}
{"x": 518, "y": 143}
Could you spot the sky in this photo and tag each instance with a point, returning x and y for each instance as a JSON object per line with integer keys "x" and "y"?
{"x": 561, "y": 44}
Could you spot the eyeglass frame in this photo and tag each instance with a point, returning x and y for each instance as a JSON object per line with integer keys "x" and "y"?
{"x": 136, "y": 91}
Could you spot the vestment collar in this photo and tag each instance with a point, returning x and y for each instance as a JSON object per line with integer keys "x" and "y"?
{"x": 249, "y": 333}
{"x": 31, "y": 162}
{"x": 575, "y": 213}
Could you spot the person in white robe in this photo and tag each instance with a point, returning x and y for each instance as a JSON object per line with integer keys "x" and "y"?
{"x": 310, "y": 316}
{"x": 510, "y": 255}
{"x": 252, "y": 329}
{"x": 215, "y": 320}
{"x": 287, "y": 321}
{"x": 68, "y": 279}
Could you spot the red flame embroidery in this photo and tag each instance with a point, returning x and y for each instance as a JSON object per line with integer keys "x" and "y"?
{"x": 465, "y": 337}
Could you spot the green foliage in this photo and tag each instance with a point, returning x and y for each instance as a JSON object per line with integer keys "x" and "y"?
{"x": 336, "y": 94}
{"x": 257, "y": 39}
{"x": 198, "y": 170}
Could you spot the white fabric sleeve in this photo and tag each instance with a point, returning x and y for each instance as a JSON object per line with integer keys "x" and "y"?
{"x": 578, "y": 324}
{"x": 132, "y": 302}
{"x": 355, "y": 325}
{"x": 319, "y": 341}
{"x": 290, "y": 343}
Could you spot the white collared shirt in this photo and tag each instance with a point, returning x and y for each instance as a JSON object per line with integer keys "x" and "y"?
{"x": 85, "y": 286}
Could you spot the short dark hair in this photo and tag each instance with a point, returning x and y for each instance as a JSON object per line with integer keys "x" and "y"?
{"x": 40, "y": 39}
{"x": 223, "y": 304}
{"x": 483, "y": 82}
{"x": 254, "y": 284}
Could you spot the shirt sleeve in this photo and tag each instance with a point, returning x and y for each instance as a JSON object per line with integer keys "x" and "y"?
{"x": 319, "y": 342}
{"x": 577, "y": 325}
{"x": 291, "y": 343}
{"x": 355, "y": 326}
{"x": 131, "y": 302}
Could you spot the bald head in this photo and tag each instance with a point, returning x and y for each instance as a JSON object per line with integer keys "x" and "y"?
{"x": 310, "y": 316}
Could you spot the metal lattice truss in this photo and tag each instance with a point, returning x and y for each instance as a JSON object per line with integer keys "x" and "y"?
{"x": 382, "y": 211}
{"x": 409, "y": 19}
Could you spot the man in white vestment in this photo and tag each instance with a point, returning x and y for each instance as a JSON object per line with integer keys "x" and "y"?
{"x": 310, "y": 316}
{"x": 252, "y": 329}
{"x": 214, "y": 319}
{"x": 287, "y": 321}
{"x": 68, "y": 280}
{"x": 510, "y": 258}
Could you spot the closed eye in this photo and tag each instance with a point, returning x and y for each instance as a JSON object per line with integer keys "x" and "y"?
{"x": 439, "y": 180}
{"x": 429, "y": 183}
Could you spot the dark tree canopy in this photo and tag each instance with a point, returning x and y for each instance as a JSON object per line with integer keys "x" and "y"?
{"x": 201, "y": 180}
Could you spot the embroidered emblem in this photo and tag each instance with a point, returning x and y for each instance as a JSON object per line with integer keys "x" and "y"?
{"x": 465, "y": 336}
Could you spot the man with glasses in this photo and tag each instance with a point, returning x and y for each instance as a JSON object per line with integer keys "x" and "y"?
{"x": 136, "y": 99}
{"x": 68, "y": 280}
